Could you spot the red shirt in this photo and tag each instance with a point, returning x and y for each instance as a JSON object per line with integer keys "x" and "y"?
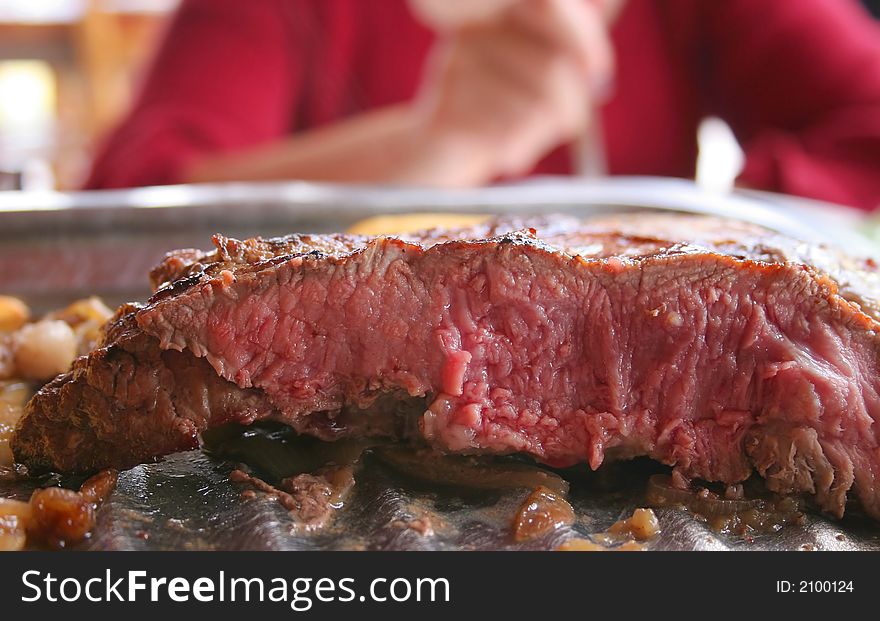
{"x": 797, "y": 80}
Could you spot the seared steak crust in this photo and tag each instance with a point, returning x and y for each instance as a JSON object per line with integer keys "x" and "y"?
{"x": 714, "y": 346}
{"x": 126, "y": 403}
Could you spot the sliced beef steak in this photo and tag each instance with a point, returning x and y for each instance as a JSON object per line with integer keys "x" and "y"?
{"x": 128, "y": 402}
{"x": 715, "y": 346}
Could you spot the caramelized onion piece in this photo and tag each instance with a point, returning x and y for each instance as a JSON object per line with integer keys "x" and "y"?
{"x": 12, "y": 538}
{"x": 97, "y": 488}
{"x": 14, "y": 517}
{"x": 86, "y": 317}
{"x": 13, "y": 396}
{"x": 624, "y": 535}
{"x": 542, "y": 512}
{"x": 641, "y": 526}
{"x": 14, "y": 313}
{"x": 55, "y": 516}
{"x": 91, "y": 309}
{"x": 44, "y": 349}
{"x": 60, "y": 516}
{"x": 15, "y": 392}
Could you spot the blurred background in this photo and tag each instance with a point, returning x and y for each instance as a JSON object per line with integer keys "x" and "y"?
{"x": 68, "y": 71}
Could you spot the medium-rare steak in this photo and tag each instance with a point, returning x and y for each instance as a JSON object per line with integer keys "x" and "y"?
{"x": 715, "y": 346}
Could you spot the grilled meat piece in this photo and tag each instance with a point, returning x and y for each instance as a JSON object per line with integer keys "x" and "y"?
{"x": 715, "y": 346}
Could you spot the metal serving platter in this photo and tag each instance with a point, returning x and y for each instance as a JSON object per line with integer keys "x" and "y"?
{"x": 57, "y": 247}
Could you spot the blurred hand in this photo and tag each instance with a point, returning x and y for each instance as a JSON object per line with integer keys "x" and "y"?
{"x": 509, "y": 87}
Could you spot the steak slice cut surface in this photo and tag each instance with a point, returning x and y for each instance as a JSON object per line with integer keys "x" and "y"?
{"x": 714, "y": 346}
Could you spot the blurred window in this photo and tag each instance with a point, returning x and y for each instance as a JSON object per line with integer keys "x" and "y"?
{"x": 67, "y": 72}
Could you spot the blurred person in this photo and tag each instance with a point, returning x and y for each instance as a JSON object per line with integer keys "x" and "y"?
{"x": 386, "y": 91}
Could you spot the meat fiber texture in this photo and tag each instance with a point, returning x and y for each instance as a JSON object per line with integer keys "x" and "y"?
{"x": 714, "y": 346}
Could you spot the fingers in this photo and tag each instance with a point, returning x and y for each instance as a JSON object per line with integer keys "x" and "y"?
{"x": 577, "y": 27}
{"x": 520, "y": 58}
{"x": 516, "y": 106}
{"x": 515, "y": 87}
{"x": 550, "y": 83}
{"x": 537, "y": 97}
